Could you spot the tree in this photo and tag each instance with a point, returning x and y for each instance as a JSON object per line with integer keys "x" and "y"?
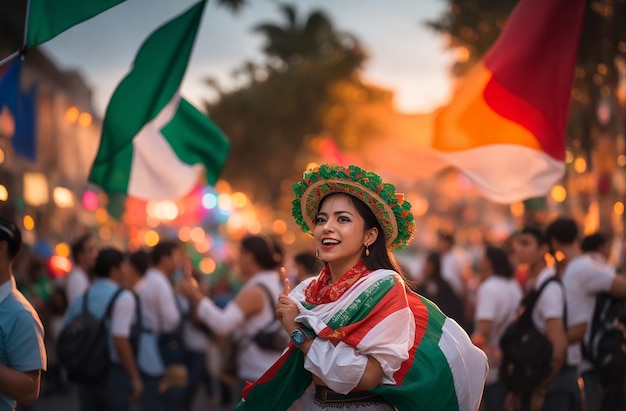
{"x": 271, "y": 120}
{"x": 596, "y": 110}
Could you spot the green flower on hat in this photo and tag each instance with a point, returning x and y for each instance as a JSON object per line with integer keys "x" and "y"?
{"x": 391, "y": 210}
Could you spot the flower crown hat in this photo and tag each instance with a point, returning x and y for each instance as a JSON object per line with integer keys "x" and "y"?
{"x": 391, "y": 210}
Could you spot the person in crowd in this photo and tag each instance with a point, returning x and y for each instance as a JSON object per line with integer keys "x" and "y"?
{"x": 160, "y": 307}
{"x": 84, "y": 253}
{"x": 353, "y": 327}
{"x": 148, "y": 357}
{"x": 559, "y": 390}
{"x": 451, "y": 265}
{"x": 436, "y": 289}
{"x": 307, "y": 265}
{"x": 123, "y": 384}
{"x": 497, "y": 300}
{"x": 22, "y": 350}
{"x": 250, "y": 311}
{"x": 585, "y": 275}
{"x": 196, "y": 339}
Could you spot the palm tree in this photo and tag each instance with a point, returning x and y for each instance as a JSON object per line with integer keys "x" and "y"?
{"x": 295, "y": 41}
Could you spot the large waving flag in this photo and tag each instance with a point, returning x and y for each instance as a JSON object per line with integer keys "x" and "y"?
{"x": 48, "y": 18}
{"x": 155, "y": 144}
{"x": 505, "y": 126}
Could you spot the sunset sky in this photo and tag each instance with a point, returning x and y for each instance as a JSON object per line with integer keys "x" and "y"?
{"x": 405, "y": 56}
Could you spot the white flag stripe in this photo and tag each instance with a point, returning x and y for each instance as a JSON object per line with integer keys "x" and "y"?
{"x": 157, "y": 173}
{"x": 467, "y": 363}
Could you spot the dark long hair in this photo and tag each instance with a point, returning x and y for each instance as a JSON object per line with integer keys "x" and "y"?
{"x": 380, "y": 257}
{"x": 266, "y": 251}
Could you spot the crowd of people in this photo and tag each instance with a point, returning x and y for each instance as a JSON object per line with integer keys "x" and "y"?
{"x": 345, "y": 326}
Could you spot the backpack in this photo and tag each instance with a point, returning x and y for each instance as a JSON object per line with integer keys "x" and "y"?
{"x": 272, "y": 337}
{"x": 526, "y": 352}
{"x": 83, "y": 344}
{"x": 606, "y": 348}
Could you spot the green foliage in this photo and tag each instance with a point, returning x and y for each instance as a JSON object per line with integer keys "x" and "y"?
{"x": 285, "y": 101}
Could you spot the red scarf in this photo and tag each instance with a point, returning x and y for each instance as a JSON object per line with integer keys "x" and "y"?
{"x": 323, "y": 291}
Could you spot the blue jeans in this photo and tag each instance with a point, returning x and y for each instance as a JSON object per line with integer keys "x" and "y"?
{"x": 109, "y": 395}
{"x": 197, "y": 374}
{"x": 150, "y": 399}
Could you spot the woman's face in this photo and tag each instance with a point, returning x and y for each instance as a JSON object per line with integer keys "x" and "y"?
{"x": 340, "y": 233}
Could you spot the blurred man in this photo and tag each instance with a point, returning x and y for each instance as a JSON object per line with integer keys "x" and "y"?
{"x": 451, "y": 266}
{"x": 84, "y": 253}
{"x": 584, "y": 277}
{"x": 158, "y": 303}
{"x": 22, "y": 351}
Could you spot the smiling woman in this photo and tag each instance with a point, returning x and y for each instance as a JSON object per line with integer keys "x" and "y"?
{"x": 371, "y": 343}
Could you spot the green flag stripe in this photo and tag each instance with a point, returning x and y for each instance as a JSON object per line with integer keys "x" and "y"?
{"x": 49, "y": 18}
{"x": 293, "y": 380}
{"x": 420, "y": 378}
{"x": 157, "y": 72}
{"x": 197, "y": 140}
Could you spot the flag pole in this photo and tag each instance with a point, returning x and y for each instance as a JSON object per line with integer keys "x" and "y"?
{"x": 9, "y": 57}
{"x": 25, "y": 44}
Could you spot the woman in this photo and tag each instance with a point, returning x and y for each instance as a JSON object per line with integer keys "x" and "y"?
{"x": 357, "y": 332}
{"x": 251, "y": 310}
{"x": 497, "y": 300}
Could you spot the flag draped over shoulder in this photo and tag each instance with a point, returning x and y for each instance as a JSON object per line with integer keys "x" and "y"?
{"x": 505, "y": 125}
{"x": 443, "y": 371}
{"x": 48, "y": 18}
{"x": 155, "y": 144}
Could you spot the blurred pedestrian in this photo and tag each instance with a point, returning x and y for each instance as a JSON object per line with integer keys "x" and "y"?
{"x": 159, "y": 304}
{"x": 497, "y": 300}
{"x": 22, "y": 350}
{"x": 435, "y": 288}
{"x": 584, "y": 275}
{"x": 84, "y": 253}
{"x": 307, "y": 265}
{"x": 558, "y": 391}
{"x": 148, "y": 356}
{"x": 251, "y": 309}
{"x": 123, "y": 383}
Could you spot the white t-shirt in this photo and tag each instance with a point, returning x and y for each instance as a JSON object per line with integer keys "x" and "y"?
{"x": 452, "y": 271}
{"x": 158, "y": 302}
{"x": 76, "y": 284}
{"x": 550, "y": 304}
{"x": 497, "y": 300}
{"x": 584, "y": 278}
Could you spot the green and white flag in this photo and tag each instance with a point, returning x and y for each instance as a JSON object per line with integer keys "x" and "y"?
{"x": 155, "y": 144}
{"x": 48, "y": 18}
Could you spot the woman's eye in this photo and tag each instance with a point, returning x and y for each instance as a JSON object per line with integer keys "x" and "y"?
{"x": 343, "y": 219}
{"x": 320, "y": 220}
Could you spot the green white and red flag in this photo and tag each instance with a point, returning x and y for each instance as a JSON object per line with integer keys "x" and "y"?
{"x": 155, "y": 145}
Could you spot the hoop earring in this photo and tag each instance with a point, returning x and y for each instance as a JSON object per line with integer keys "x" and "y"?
{"x": 367, "y": 250}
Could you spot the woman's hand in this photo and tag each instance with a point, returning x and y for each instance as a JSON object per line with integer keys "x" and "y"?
{"x": 188, "y": 288}
{"x": 286, "y": 309}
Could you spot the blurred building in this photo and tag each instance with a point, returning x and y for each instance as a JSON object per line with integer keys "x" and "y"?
{"x": 45, "y": 194}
